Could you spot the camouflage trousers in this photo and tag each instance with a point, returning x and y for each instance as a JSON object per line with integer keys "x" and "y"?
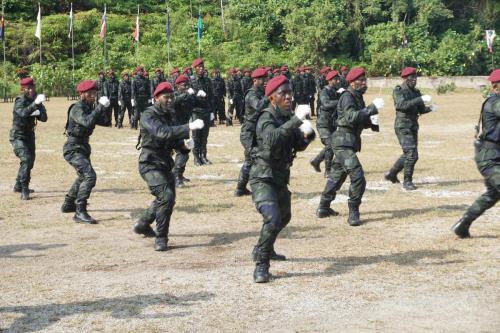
{"x": 408, "y": 139}
{"x": 126, "y": 106}
{"x": 220, "y": 109}
{"x": 200, "y": 137}
{"x": 345, "y": 163}
{"x": 162, "y": 206}
{"x": 25, "y": 150}
{"x": 78, "y": 156}
{"x": 181, "y": 158}
{"x": 245, "y": 168}
{"x": 274, "y": 204}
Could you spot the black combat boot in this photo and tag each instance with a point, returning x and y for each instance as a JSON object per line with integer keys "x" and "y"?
{"x": 461, "y": 228}
{"x": 179, "y": 182}
{"x": 25, "y": 193}
{"x": 81, "y": 215}
{"x": 161, "y": 243}
{"x": 197, "y": 160}
{"x": 143, "y": 228}
{"x": 392, "y": 177}
{"x": 274, "y": 255}
{"x": 229, "y": 122}
{"x": 353, "y": 219}
{"x": 205, "y": 160}
{"x": 184, "y": 179}
{"x": 409, "y": 186}
{"x": 241, "y": 190}
{"x": 18, "y": 188}
{"x": 261, "y": 272}
{"x": 68, "y": 205}
{"x": 323, "y": 212}
{"x": 315, "y": 162}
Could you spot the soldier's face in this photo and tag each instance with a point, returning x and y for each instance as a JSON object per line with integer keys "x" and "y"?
{"x": 282, "y": 97}
{"x": 360, "y": 84}
{"x": 164, "y": 100}
{"x": 411, "y": 81}
{"x": 125, "y": 77}
{"x": 89, "y": 97}
{"x": 182, "y": 87}
{"x": 200, "y": 70}
{"x": 335, "y": 82}
{"x": 29, "y": 91}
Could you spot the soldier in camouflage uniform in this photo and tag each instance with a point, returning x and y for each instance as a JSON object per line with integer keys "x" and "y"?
{"x": 327, "y": 120}
{"x": 310, "y": 88}
{"x": 353, "y": 117}
{"x": 320, "y": 84}
{"x": 111, "y": 88}
{"x": 124, "y": 99}
{"x": 246, "y": 81}
{"x": 236, "y": 98}
{"x": 28, "y": 110}
{"x": 279, "y": 135}
{"x": 487, "y": 157}
{"x": 219, "y": 86}
{"x": 203, "y": 110}
{"x": 80, "y": 124}
{"x": 159, "y": 136}
{"x": 159, "y": 78}
{"x": 141, "y": 95}
{"x": 183, "y": 103}
{"x": 409, "y": 104}
{"x": 255, "y": 101}
{"x": 174, "y": 74}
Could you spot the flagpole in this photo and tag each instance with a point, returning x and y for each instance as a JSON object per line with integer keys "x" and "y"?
{"x": 137, "y": 37}
{"x": 105, "y": 33}
{"x": 222, "y": 18}
{"x": 168, "y": 36}
{"x": 40, "y": 40}
{"x": 4, "y": 59}
{"x": 199, "y": 39}
{"x": 72, "y": 48}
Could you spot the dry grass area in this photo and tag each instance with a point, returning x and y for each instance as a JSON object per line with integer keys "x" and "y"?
{"x": 401, "y": 271}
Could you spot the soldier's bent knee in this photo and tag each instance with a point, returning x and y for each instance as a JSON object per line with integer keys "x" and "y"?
{"x": 272, "y": 216}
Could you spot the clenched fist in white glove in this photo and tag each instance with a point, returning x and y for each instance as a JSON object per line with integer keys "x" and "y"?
{"x": 201, "y": 93}
{"x": 189, "y": 143}
{"x": 196, "y": 124}
{"x": 35, "y": 113}
{"x": 104, "y": 101}
{"x": 150, "y": 100}
{"x": 379, "y": 103}
{"x": 426, "y": 98}
{"x": 39, "y": 99}
{"x": 340, "y": 91}
{"x": 434, "y": 108}
{"x": 190, "y": 91}
{"x": 120, "y": 103}
{"x": 132, "y": 101}
{"x": 303, "y": 110}
{"x": 231, "y": 101}
{"x": 374, "y": 119}
{"x": 212, "y": 116}
{"x": 306, "y": 127}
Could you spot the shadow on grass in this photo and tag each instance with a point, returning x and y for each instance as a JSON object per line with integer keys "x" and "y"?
{"x": 403, "y": 213}
{"x": 451, "y": 182}
{"x": 339, "y": 266}
{"x": 7, "y": 251}
{"x": 39, "y": 317}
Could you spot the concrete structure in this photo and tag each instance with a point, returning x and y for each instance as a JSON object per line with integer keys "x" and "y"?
{"x": 469, "y": 82}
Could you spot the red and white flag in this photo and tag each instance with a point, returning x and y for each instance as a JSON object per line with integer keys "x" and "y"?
{"x": 102, "y": 34}
{"x": 490, "y": 39}
{"x": 137, "y": 30}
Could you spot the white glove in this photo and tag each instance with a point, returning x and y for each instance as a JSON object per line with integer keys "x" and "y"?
{"x": 196, "y": 124}
{"x": 434, "y": 108}
{"x": 104, "y": 101}
{"x": 189, "y": 143}
{"x": 132, "y": 101}
{"x": 231, "y": 101}
{"x": 340, "y": 91}
{"x": 302, "y": 111}
{"x": 212, "y": 116}
{"x": 374, "y": 119}
{"x": 150, "y": 100}
{"x": 306, "y": 127}
{"x": 379, "y": 103}
{"x": 426, "y": 98}
{"x": 190, "y": 91}
{"x": 120, "y": 103}
{"x": 201, "y": 93}
{"x": 35, "y": 113}
{"x": 39, "y": 99}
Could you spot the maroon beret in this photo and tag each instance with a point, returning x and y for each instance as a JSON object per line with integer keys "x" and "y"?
{"x": 27, "y": 81}
{"x": 494, "y": 76}
{"x": 197, "y": 62}
{"x": 174, "y": 70}
{"x": 275, "y": 83}
{"x": 276, "y": 71}
{"x": 344, "y": 68}
{"x": 182, "y": 78}
{"x": 407, "y": 71}
{"x": 324, "y": 70}
{"x": 284, "y": 67}
{"x": 86, "y": 85}
{"x": 186, "y": 70}
{"x": 331, "y": 75}
{"x": 259, "y": 72}
{"x": 354, "y": 74}
{"x": 163, "y": 87}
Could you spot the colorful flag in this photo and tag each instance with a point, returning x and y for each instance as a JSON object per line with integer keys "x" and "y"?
{"x": 102, "y": 34}
{"x": 168, "y": 28}
{"x": 200, "y": 27}
{"x": 490, "y": 38}
{"x": 136, "y": 31}
{"x": 38, "y": 30}
{"x": 2, "y": 29}
{"x": 70, "y": 30}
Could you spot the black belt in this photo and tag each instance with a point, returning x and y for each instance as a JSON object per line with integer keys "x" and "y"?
{"x": 74, "y": 139}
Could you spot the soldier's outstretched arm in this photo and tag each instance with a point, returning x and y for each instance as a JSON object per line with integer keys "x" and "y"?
{"x": 276, "y": 135}
{"x": 23, "y": 111}
{"x": 86, "y": 120}
{"x": 352, "y": 115}
{"x": 402, "y": 104}
{"x": 168, "y": 134}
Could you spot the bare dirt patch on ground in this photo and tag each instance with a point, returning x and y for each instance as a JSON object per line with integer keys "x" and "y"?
{"x": 401, "y": 271}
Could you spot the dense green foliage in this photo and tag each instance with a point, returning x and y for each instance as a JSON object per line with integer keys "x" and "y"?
{"x": 441, "y": 37}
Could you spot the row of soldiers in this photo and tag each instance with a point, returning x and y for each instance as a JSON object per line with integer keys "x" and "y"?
{"x": 272, "y": 134}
